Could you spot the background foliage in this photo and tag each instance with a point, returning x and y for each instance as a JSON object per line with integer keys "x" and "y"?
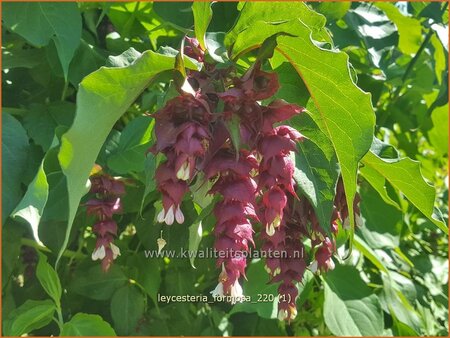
{"x": 395, "y": 282}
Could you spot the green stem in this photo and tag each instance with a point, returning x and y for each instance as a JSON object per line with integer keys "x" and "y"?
{"x": 67, "y": 253}
{"x": 414, "y": 60}
{"x": 60, "y": 317}
{"x": 64, "y": 92}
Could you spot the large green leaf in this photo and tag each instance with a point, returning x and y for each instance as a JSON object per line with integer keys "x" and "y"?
{"x": 83, "y": 324}
{"x": 202, "y": 17}
{"x": 14, "y": 160}
{"x": 382, "y": 222}
{"x": 40, "y": 22}
{"x": 102, "y": 98}
{"x": 438, "y": 135}
{"x": 351, "y": 308}
{"x": 409, "y": 29}
{"x": 274, "y": 13}
{"x": 133, "y": 144}
{"x": 42, "y": 120}
{"x": 49, "y": 279}
{"x": 95, "y": 284}
{"x": 127, "y": 307}
{"x": 317, "y": 170}
{"x": 31, "y": 315}
{"x": 404, "y": 175}
{"x": 344, "y": 112}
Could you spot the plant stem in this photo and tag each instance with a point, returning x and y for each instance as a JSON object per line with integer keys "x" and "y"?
{"x": 414, "y": 60}
{"x": 60, "y": 317}
{"x": 67, "y": 253}
{"x": 64, "y": 92}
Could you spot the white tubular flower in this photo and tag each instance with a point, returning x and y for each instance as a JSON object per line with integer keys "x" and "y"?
{"x": 313, "y": 267}
{"x": 184, "y": 172}
{"x": 218, "y": 291}
{"x": 170, "y": 216}
{"x": 115, "y": 250}
{"x": 179, "y": 215}
{"x": 99, "y": 253}
{"x": 282, "y": 314}
{"x": 270, "y": 230}
{"x": 161, "y": 216}
{"x": 236, "y": 292}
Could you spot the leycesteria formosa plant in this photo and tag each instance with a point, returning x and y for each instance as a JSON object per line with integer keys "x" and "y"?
{"x": 251, "y": 168}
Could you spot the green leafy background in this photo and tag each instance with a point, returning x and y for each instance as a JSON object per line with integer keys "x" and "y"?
{"x": 78, "y": 80}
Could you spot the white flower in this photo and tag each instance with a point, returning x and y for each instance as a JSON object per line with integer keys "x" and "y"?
{"x": 161, "y": 216}
{"x": 170, "y": 216}
{"x": 115, "y": 250}
{"x": 270, "y": 230}
{"x": 166, "y": 217}
{"x": 99, "y": 253}
{"x": 346, "y": 224}
{"x": 218, "y": 291}
{"x": 179, "y": 215}
{"x": 184, "y": 172}
{"x": 330, "y": 264}
{"x": 236, "y": 292}
{"x": 313, "y": 267}
{"x": 358, "y": 220}
{"x": 282, "y": 314}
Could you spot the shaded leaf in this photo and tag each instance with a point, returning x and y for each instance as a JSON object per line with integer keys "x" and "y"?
{"x": 60, "y": 22}
{"x": 31, "y": 315}
{"x": 351, "y": 308}
{"x": 14, "y": 159}
{"x": 83, "y": 324}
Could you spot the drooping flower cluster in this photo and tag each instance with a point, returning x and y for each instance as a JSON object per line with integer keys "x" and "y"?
{"x": 250, "y": 163}
{"x": 182, "y": 131}
{"x": 233, "y": 229}
{"x": 106, "y": 203}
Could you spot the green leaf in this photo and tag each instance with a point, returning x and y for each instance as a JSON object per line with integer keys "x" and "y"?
{"x": 14, "y": 159}
{"x": 102, "y": 98}
{"x": 31, "y": 315}
{"x": 148, "y": 274}
{"x": 234, "y": 128}
{"x": 134, "y": 142}
{"x": 196, "y": 230}
{"x": 409, "y": 29}
{"x": 202, "y": 17}
{"x": 316, "y": 171}
{"x": 255, "y": 285}
{"x": 398, "y": 305}
{"x": 32, "y": 205}
{"x": 216, "y": 49}
{"x": 351, "y": 308}
{"x": 362, "y": 247}
{"x": 344, "y": 112}
{"x": 177, "y": 13}
{"x": 378, "y": 182}
{"x": 42, "y": 120}
{"x": 272, "y": 13}
{"x": 83, "y": 324}
{"x": 127, "y": 307}
{"x": 404, "y": 175}
{"x": 333, "y": 10}
{"x": 96, "y": 284}
{"x": 438, "y": 135}
{"x": 149, "y": 171}
{"x": 40, "y": 22}
{"x": 18, "y": 58}
{"x": 49, "y": 279}
{"x": 382, "y": 222}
